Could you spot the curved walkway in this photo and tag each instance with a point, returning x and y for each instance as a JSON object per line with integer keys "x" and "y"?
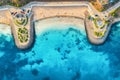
{"x": 91, "y": 8}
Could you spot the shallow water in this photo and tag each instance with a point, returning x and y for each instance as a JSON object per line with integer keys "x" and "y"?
{"x": 61, "y": 55}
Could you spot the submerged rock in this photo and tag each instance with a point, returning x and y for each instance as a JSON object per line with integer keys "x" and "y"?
{"x": 35, "y": 72}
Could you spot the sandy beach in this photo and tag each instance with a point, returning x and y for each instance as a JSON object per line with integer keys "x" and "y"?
{"x": 5, "y": 29}
{"x": 58, "y": 17}
{"x": 5, "y": 17}
{"x": 44, "y": 12}
{"x": 59, "y": 23}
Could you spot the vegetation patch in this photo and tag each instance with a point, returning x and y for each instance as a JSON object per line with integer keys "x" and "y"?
{"x": 97, "y": 5}
{"x": 17, "y": 3}
{"x": 115, "y": 13}
{"x": 97, "y": 26}
{"x": 99, "y": 34}
{"x": 22, "y": 35}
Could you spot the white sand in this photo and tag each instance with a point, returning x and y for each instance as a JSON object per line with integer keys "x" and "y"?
{"x": 5, "y": 29}
{"x": 5, "y": 17}
{"x": 59, "y": 23}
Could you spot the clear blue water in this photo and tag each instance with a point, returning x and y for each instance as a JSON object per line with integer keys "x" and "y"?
{"x": 61, "y": 55}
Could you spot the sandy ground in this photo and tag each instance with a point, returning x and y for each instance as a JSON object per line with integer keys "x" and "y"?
{"x": 5, "y": 29}
{"x": 4, "y": 16}
{"x": 43, "y": 12}
{"x": 59, "y": 23}
{"x": 68, "y": 17}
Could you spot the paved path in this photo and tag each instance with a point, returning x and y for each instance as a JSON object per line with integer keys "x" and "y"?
{"x": 113, "y": 7}
{"x": 4, "y": 18}
{"x": 91, "y": 8}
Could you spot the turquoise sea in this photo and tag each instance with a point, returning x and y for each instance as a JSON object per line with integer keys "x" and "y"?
{"x": 61, "y": 55}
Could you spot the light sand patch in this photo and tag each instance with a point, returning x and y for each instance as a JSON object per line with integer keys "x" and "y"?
{"x": 44, "y": 12}
{"x": 5, "y": 29}
{"x": 59, "y": 23}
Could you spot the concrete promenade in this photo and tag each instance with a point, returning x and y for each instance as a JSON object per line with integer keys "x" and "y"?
{"x": 31, "y": 5}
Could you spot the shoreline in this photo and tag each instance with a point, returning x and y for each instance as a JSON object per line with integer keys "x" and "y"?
{"x": 65, "y": 21}
{"x": 5, "y": 29}
{"x": 72, "y": 20}
{"x": 59, "y": 23}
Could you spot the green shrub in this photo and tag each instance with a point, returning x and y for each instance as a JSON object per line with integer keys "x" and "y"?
{"x": 99, "y": 34}
{"x": 23, "y": 35}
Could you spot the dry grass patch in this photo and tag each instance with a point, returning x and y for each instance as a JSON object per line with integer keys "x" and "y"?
{"x": 97, "y": 5}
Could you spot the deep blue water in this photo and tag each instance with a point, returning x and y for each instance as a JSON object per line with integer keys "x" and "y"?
{"x": 61, "y": 55}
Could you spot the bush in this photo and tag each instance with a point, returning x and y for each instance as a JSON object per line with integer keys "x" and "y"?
{"x": 23, "y": 35}
{"x": 99, "y": 34}
{"x": 0, "y": 3}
